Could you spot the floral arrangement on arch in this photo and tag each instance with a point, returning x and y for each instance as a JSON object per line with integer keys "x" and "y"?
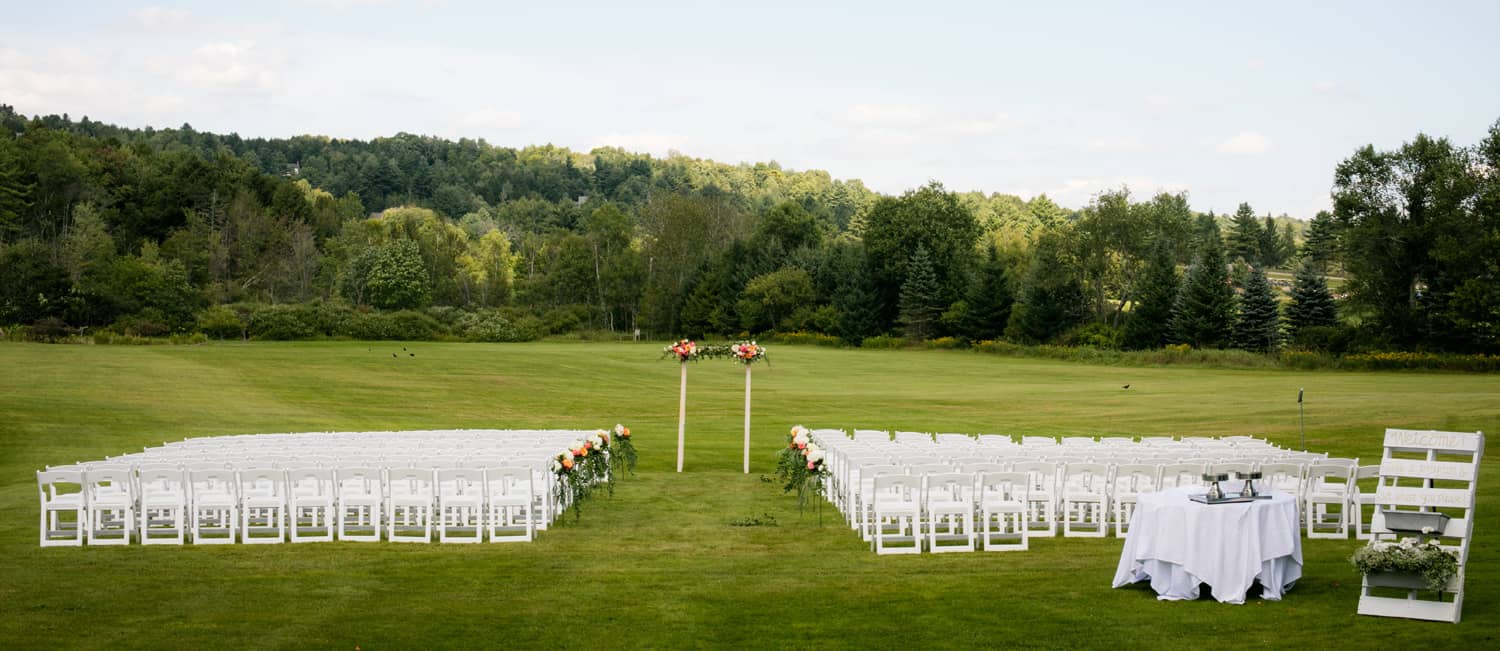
{"x": 1436, "y": 565}
{"x": 748, "y": 352}
{"x": 685, "y": 350}
{"x": 801, "y": 465}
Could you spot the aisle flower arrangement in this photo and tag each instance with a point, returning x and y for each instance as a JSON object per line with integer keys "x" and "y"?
{"x": 801, "y": 466}
{"x": 622, "y": 450}
{"x": 588, "y": 463}
{"x": 1434, "y": 564}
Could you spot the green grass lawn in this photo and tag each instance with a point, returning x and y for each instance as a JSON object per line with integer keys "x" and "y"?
{"x": 659, "y": 565}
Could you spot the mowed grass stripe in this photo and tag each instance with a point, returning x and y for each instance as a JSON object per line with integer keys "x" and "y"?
{"x": 658, "y": 565}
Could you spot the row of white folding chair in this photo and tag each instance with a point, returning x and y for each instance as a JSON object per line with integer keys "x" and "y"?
{"x": 939, "y": 511}
{"x": 264, "y": 504}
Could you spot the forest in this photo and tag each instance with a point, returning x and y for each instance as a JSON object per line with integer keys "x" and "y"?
{"x": 155, "y": 232}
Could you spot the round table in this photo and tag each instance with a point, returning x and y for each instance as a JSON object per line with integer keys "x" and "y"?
{"x": 1177, "y": 544}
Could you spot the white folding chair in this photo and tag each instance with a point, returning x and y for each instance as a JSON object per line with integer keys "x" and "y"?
{"x": 1131, "y": 480}
{"x": 360, "y": 496}
{"x": 311, "y": 498}
{"x": 460, "y": 498}
{"x": 163, "y": 506}
{"x": 409, "y": 509}
{"x": 215, "y": 499}
{"x": 864, "y": 499}
{"x": 64, "y": 509}
{"x": 1003, "y": 506}
{"x": 1361, "y": 497}
{"x": 1175, "y": 475}
{"x": 1085, "y": 493}
{"x": 263, "y": 515}
{"x": 1284, "y": 477}
{"x": 111, "y": 505}
{"x": 949, "y": 512}
{"x": 1041, "y": 497}
{"x": 508, "y": 495}
{"x": 897, "y": 507}
{"x": 1328, "y": 500}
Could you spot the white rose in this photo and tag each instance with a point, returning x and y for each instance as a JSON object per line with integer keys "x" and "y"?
{"x": 556, "y": 465}
{"x": 577, "y": 445}
{"x": 1426, "y": 530}
{"x": 568, "y": 454}
{"x": 800, "y": 438}
{"x": 815, "y": 456}
{"x": 597, "y": 440}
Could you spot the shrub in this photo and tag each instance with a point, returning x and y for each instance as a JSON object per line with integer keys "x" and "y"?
{"x": 883, "y": 341}
{"x": 325, "y": 319}
{"x": 563, "y": 319}
{"x": 804, "y": 338}
{"x": 279, "y": 323}
{"x": 221, "y": 322}
{"x": 945, "y": 343}
{"x": 491, "y": 325}
{"x": 146, "y": 323}
{"x": 1093, "y": 335}
{"x": 50, "y": 329}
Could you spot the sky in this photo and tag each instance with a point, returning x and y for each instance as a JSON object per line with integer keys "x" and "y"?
{"x": 1228, "y": 102}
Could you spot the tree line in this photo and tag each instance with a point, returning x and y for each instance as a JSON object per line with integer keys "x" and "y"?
{"x": 154, "y": 231}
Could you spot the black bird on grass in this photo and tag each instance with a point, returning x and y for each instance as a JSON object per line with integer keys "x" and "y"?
{"x": 412, "y": 354}
{"x": 1125, "y": 387}
{"x": 393, "y": 354}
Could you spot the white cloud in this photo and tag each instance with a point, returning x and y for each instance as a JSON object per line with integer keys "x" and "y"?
{"x": 884, "y": 115}
{"x": 1164, "y": 103}
{"x": 161, "y": 19}
{"x": 1245, "y": 143}
{"x": 230, "y": 67}
{"x": 1325, "y": 87}
{"x": 1117, "y": 143}
{"x": 491, "y": 118}
{"x": 978, "y": 124}
{"x": 349, "y": 4}
{"x": 1256, "y": 63}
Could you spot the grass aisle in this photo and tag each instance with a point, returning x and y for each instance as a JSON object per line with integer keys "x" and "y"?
{"x": 659, "y": 564}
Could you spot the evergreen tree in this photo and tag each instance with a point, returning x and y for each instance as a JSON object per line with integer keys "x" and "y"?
{"x": 1052, "y": 301}
{"x": 1270, "y": 245}
{"x": 1320, "y": 245}
{"x": 1245, "y": 235}
{"x": 1204, "y": 310}
{"x": 856, "y": 299}
{"x": 921, "y": 300}
{"x": 989, "y": 300}
{"x": 1312, "y": 304}
{"x": 1258, "y": 325}
{"x": 1150, "y": 323}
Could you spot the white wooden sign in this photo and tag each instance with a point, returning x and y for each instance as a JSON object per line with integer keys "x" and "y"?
{"x": 1418, "y": 604}
{"x": 1432, "y": 440}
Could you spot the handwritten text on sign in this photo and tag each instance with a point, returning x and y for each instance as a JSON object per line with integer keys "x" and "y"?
{"x": 1457, "y": 498}
{"x": 1406, "y": 438}
{"x": 1427, "y": 469}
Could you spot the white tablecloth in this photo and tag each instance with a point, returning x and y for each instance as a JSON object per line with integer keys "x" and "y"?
{"x": 1178, "y": 543}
